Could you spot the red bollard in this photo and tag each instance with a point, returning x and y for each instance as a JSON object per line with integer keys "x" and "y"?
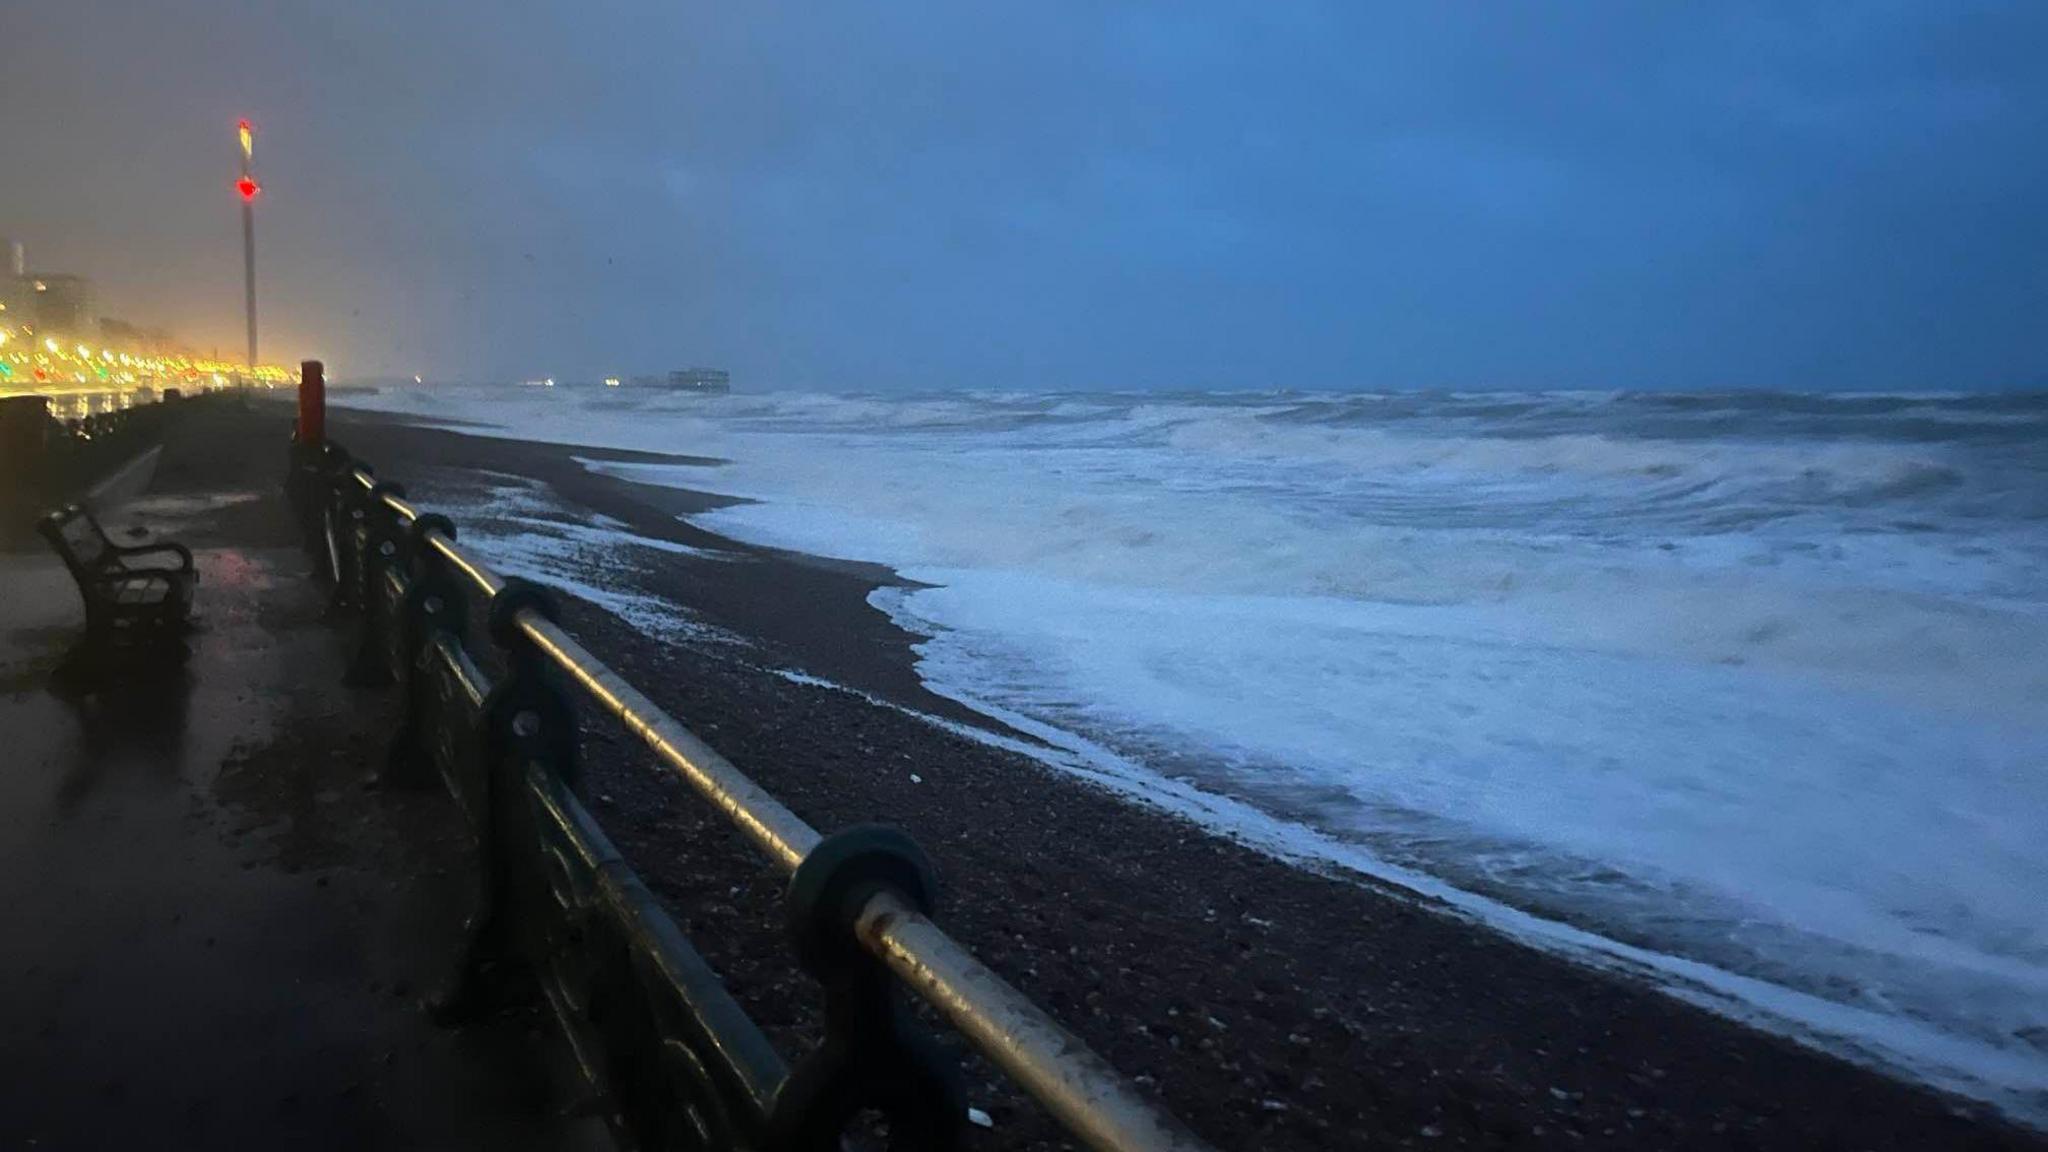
{"x": 312, "y": 403}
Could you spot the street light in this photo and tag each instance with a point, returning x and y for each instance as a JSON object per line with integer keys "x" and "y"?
{"x": 248, "y": 189}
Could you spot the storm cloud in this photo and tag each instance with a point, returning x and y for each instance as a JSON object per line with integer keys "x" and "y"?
{"x": 939, "y": 195}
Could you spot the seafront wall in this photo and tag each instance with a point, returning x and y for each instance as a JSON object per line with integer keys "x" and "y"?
{"x": 47, "y": 460}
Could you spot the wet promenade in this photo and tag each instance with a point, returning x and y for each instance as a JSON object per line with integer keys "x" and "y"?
{"x": 216, "y": 934}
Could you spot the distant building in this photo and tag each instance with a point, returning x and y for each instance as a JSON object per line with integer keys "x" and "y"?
{"x": 17, "y": 299}
{"x": 17, "y": 302}
{"x": 714, "y": 380}
{"x": 61, "y": 302}
{"x": 711, "y": 381}
{"x": 137, "y": 338}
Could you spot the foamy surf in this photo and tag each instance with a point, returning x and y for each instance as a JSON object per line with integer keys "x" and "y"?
{"x": 1740, "y": 691}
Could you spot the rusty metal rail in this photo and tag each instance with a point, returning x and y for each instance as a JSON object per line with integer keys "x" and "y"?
{"x": 859, "y": 900}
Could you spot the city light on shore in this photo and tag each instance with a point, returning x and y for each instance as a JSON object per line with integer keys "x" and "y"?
{"x": 29, "y": 365}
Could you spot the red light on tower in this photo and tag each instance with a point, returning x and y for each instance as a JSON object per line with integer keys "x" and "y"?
{"x": 248, "y": 187}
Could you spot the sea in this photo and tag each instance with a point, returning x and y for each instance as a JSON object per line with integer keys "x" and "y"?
{"x": 1745, "y": 693}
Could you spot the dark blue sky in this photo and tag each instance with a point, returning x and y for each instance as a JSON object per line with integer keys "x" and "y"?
{"x": 1065, "y": 195}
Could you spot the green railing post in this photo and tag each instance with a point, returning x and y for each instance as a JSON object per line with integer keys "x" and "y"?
{"x": 371, "y": 667}
{"x": 433, "y": 610}
{"x": 874, "y": 1055}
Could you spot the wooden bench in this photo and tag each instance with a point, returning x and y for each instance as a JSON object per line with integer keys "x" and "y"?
{"x": 139, "y": 593}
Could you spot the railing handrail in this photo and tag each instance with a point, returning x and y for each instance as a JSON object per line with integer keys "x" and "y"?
{"x": 1049, "y": 1062}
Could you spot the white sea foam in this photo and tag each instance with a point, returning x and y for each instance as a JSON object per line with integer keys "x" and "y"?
{"x": 526, "y": 532}
{"x": 1879, "y": 1035}
{"x": 1745, "y": 689}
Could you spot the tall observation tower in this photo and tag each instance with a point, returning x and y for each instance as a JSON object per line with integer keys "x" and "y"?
{"x": 248, "y": 188}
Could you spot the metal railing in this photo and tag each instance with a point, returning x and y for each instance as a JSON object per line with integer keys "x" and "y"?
{"x": 672, "y": 1058}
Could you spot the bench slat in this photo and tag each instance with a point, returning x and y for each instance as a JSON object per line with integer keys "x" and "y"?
{"x": 141, "y": 591}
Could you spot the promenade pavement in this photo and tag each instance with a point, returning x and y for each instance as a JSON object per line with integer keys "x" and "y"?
{"x": 216, "y": 933}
